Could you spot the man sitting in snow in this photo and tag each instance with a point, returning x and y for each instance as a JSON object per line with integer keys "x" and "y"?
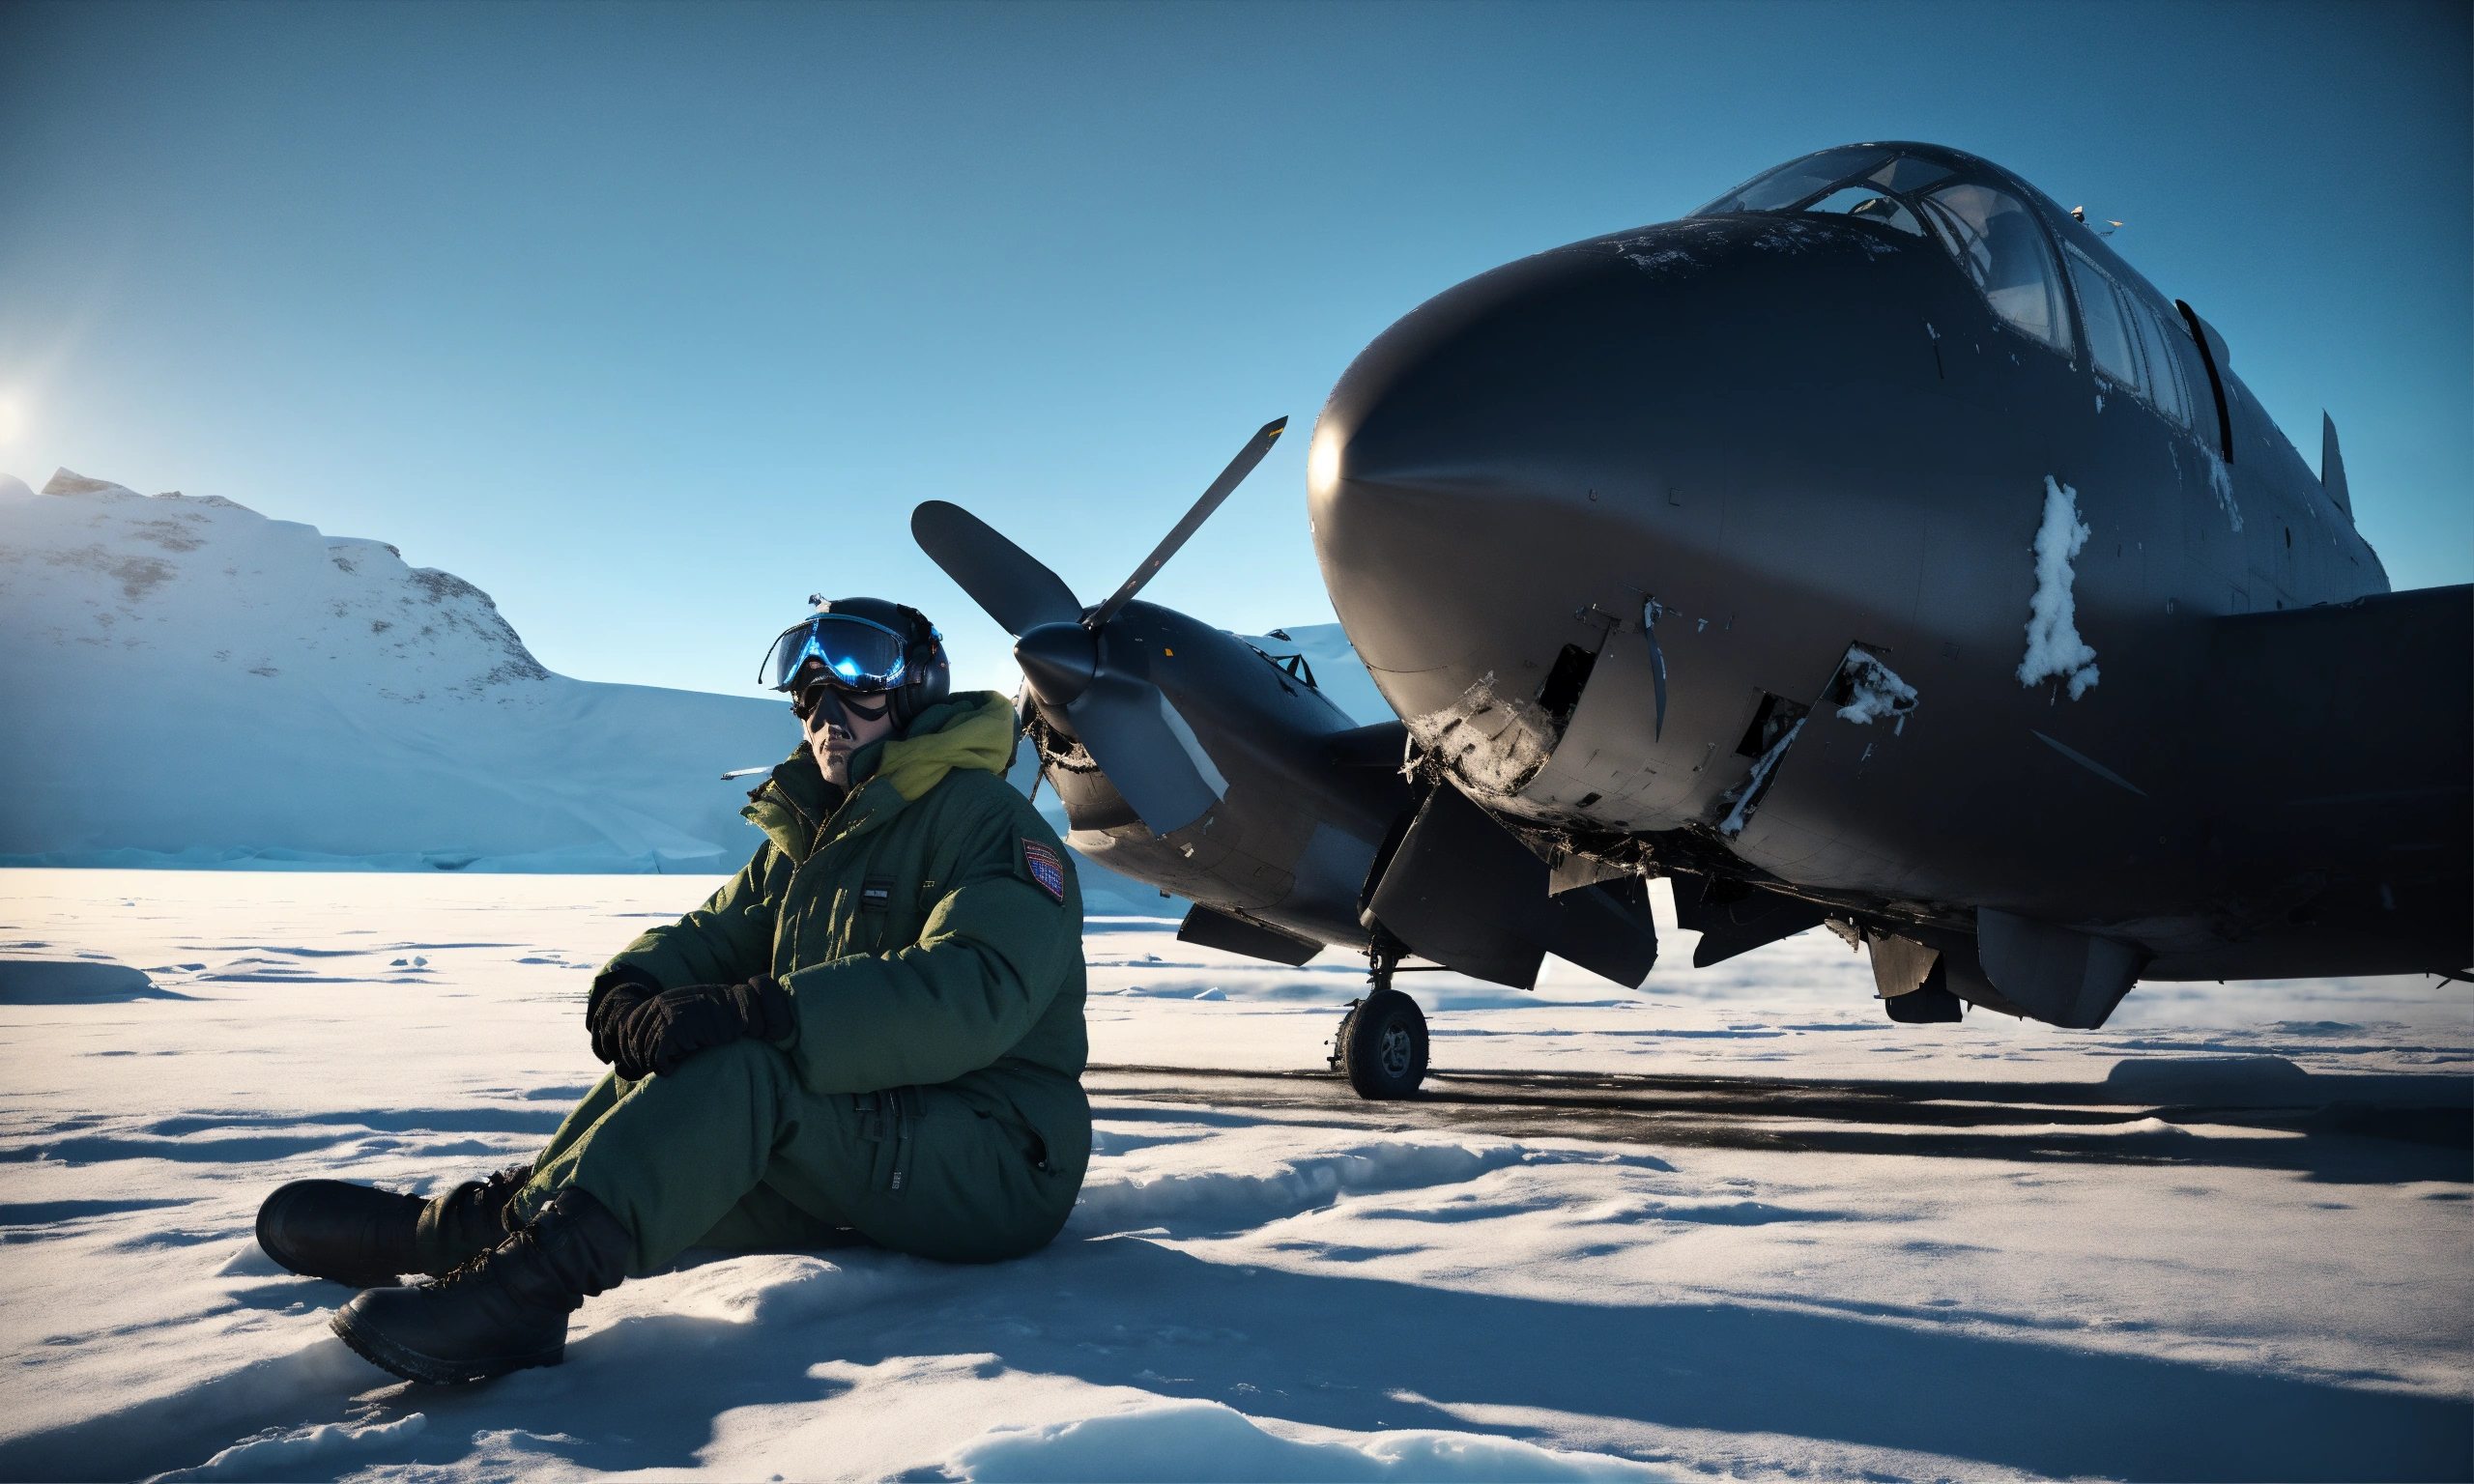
{"x": 873, "y": 1034}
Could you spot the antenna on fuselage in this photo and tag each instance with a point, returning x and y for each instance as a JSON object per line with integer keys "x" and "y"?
{"x": 2079, "y": 215}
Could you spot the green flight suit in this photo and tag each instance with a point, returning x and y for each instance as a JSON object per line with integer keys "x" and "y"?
{"x": 928, "y": 927}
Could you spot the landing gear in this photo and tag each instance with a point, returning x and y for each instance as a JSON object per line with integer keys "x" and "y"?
{"x": 1382, "y": 1045}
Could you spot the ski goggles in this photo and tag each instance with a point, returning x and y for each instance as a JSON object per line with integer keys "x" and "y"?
{"x": 856, "y": 654}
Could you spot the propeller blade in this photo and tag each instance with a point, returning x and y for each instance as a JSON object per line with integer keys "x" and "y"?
{"x": 1230, "y": 478}
{"x": 1000, "y": 577}
{"x": 1146, "y": 749}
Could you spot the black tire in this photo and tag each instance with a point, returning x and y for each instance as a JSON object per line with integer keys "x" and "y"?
{"x": 1383, "y": 1045}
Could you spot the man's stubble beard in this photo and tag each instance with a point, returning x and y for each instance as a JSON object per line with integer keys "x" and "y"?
{"x": 834, "y": 765}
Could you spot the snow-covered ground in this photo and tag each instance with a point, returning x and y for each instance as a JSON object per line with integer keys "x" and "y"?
{"x": 1736, "y": 1223}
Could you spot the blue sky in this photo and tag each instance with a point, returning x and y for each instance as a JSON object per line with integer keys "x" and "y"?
{"x": 652, "y": 320}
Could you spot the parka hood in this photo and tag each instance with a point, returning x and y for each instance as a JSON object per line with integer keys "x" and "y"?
{"x": 976, "y": 729}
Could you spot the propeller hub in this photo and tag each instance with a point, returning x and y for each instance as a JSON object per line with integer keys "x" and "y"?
{"x": 1060, "y": 659}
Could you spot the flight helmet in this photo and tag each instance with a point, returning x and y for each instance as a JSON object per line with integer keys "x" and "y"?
{"x": 863, "y": 647}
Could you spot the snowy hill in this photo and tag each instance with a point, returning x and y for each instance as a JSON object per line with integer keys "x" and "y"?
{"x": 197, "y": 685}
{"x": 194, "y": 684}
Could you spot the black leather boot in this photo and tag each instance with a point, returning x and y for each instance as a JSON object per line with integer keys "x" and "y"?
{"x": 466, "y": 1222}
{"x": 504, "y": 1310}
{"x": 365, "y": 1238}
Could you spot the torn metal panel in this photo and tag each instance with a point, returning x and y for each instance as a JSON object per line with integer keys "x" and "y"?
{"x": 1492, "y": 742}
{"x": 1865, "y": 691}
{"x": 1820, "y": 820}
{"x": 2057, "y": 975}
{"x": 1764, "y": 770}
{"x": 1601, "y": 766}
{"x": 1610, "y": 768}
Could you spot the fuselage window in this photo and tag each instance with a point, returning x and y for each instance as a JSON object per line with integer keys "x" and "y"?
{"x": 2163, "y": 355}
{"x": 2112, "y": 344}
{"x": 2001, "y": 247}
{"x": 2126, "y": 340}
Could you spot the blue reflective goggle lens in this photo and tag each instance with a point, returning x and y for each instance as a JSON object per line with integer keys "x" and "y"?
{"x": 854, "y": 653}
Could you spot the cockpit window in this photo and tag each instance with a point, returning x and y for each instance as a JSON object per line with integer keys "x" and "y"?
{"x": 1996, "y": 240}
{"x": 2001, "y": 247}
{"x": 1775, "y": 190}
{"x": 1909, "y": 173}
{"x": 1868, "y": 203}
{"x": 1799, "y": 179}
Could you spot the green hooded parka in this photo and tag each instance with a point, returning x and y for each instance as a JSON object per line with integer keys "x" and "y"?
{"x": 928, "y": 926}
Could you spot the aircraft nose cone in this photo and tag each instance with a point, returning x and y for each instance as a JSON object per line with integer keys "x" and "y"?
{"x": 1059, "y": 659}
{"x": 1697, "y": 414}
{"x": 1484, "y": 445}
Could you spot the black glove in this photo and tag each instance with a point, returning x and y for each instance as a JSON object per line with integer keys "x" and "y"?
{"x": 615, "y": 997}
{"x": 667, "y": 1029}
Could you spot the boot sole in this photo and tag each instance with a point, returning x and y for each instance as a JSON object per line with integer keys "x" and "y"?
{"x": 355, "y": 1281}
{"x": 428, "y": 1370}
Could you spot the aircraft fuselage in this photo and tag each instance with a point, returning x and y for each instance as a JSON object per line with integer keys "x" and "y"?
{"x": 1741, "y": 446}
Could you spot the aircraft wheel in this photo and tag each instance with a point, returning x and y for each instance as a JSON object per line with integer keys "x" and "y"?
{"x": 1383, "y": 1045}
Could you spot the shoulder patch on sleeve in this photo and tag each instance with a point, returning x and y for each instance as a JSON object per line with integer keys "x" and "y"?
{"x": 1045, "y": 867}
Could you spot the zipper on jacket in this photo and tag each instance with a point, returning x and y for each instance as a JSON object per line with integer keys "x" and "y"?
{"x": 907, "y": 1109}
{"x": 894, "y": 1118}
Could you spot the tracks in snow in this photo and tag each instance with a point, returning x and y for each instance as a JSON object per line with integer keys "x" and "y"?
{"x": 2260, "y": 1112}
